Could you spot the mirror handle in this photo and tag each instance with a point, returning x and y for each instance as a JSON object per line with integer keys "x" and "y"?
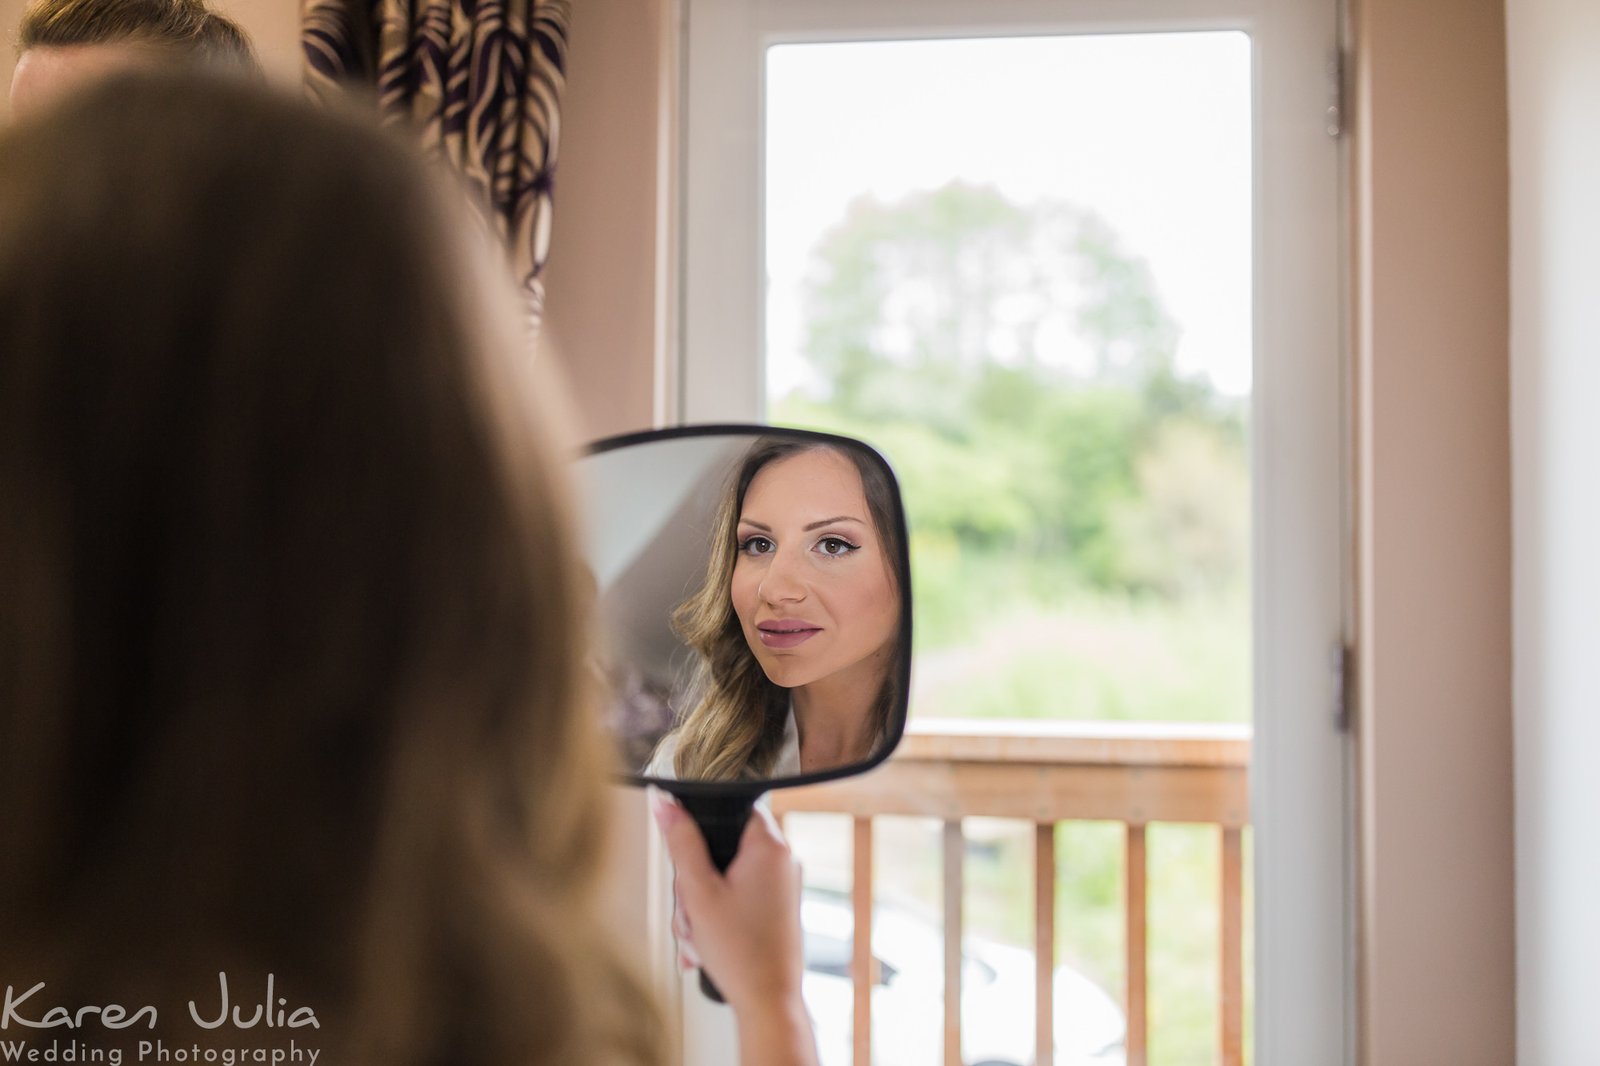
{"x": 721, "y": 820}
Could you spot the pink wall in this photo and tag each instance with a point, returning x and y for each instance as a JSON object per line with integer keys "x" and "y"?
{"x": 601, "y": 290}
{"x": 1437, "y": 946}
{"x": 602, "y": 299}
{"x": 275, "y": 27}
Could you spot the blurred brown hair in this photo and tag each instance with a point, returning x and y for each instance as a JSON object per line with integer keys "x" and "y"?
{"x": 289, "y": 618}
{"x": 188, "y": 25}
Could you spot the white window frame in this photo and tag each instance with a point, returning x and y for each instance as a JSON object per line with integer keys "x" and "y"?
{"x": 1301, "y": 794}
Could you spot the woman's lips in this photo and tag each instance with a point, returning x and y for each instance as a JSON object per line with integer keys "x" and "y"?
{"x": 786, "y": 634}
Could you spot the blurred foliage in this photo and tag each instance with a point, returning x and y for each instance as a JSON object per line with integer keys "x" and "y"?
{"x": 1016, "y": 365}
{"x": 1187, "y": 532}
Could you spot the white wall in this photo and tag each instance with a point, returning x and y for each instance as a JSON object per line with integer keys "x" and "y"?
{"x": 1554, "y": 69}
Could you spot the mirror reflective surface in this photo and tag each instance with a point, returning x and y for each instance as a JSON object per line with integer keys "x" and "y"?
{"x": 753, "y": 596}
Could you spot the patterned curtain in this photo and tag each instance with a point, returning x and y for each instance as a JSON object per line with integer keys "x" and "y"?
{"x": 480, "y": 81}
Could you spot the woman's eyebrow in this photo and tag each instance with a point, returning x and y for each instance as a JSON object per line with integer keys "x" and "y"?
{"x": 806, "y": 528}
{"x": 831, "y": 521}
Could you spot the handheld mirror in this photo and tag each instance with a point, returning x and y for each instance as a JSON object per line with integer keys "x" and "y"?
{"x": 754, "y": 603}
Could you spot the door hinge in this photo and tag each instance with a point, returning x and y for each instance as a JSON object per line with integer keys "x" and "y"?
{"x": 1344, "y": 686}
{"x": 1334, "y": 116}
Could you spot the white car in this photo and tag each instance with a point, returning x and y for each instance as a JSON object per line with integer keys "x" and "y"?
{"x": 997, "y": 992}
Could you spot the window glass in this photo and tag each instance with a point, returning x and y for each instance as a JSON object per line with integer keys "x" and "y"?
{"x": 1022, "y": 268}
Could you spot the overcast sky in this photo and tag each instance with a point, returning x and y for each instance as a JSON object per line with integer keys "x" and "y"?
{"x": 1150, "y": 130}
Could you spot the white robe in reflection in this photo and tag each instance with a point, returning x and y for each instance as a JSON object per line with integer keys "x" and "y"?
{"x": 787, "y": 764}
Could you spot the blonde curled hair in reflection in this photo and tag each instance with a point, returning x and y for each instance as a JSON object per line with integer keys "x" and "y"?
{"x": 290, "y": 625}
{"x": 734, "y": 730}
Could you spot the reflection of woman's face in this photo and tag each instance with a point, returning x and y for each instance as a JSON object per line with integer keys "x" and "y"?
{"x": 811, "y": 583}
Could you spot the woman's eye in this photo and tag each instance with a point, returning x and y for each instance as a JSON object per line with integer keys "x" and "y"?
{"x": 835, "y": 546}
{"x": 757, "y": 545}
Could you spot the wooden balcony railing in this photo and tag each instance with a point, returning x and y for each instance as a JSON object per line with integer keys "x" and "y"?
{"x": 1045, "y": 773}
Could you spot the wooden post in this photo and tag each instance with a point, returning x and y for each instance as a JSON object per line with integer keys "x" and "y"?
{"x": 1231, "y": 949}
{"x": 1134, "y": 901}
{"x": 955, "y": 850}
{"x": 1044, "y": 943}
{"x": 861, "y": 968}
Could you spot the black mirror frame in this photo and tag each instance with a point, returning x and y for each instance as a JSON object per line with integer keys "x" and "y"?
{"x": 897, "y": 723}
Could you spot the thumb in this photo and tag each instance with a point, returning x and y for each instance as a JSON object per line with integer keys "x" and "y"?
{"x": 763, "y": 852}
{"x": 686, "y": 846}
{"x": 761, "y": 833}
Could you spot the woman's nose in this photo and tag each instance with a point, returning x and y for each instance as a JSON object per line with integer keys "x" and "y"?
{"x": 781, "y": 584}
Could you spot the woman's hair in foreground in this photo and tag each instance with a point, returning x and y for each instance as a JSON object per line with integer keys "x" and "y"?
{"x": 187, "y": 25}
{"x": 289, "y": 619}
{"x": 735, "y": 729}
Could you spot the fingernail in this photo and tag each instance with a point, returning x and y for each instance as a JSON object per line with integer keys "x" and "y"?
{"x": 663, "y": 807}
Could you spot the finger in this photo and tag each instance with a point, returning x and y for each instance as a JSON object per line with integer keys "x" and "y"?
{"x": 699, "y": 883}
{"x": 685, "y": 845}
{"x": 679, "y": 915}
{"x": 762, "y": 841}
{"x": 683, "y": 938}
{"x": 769, "y": 821}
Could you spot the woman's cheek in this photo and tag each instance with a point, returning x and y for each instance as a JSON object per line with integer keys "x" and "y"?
{"x": 742, "y": 589}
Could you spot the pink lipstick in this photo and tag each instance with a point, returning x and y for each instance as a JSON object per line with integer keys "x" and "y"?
{"x": 789, "y": 633}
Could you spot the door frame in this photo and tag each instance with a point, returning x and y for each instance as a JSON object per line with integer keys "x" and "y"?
{"x": 1302, "y": 792}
